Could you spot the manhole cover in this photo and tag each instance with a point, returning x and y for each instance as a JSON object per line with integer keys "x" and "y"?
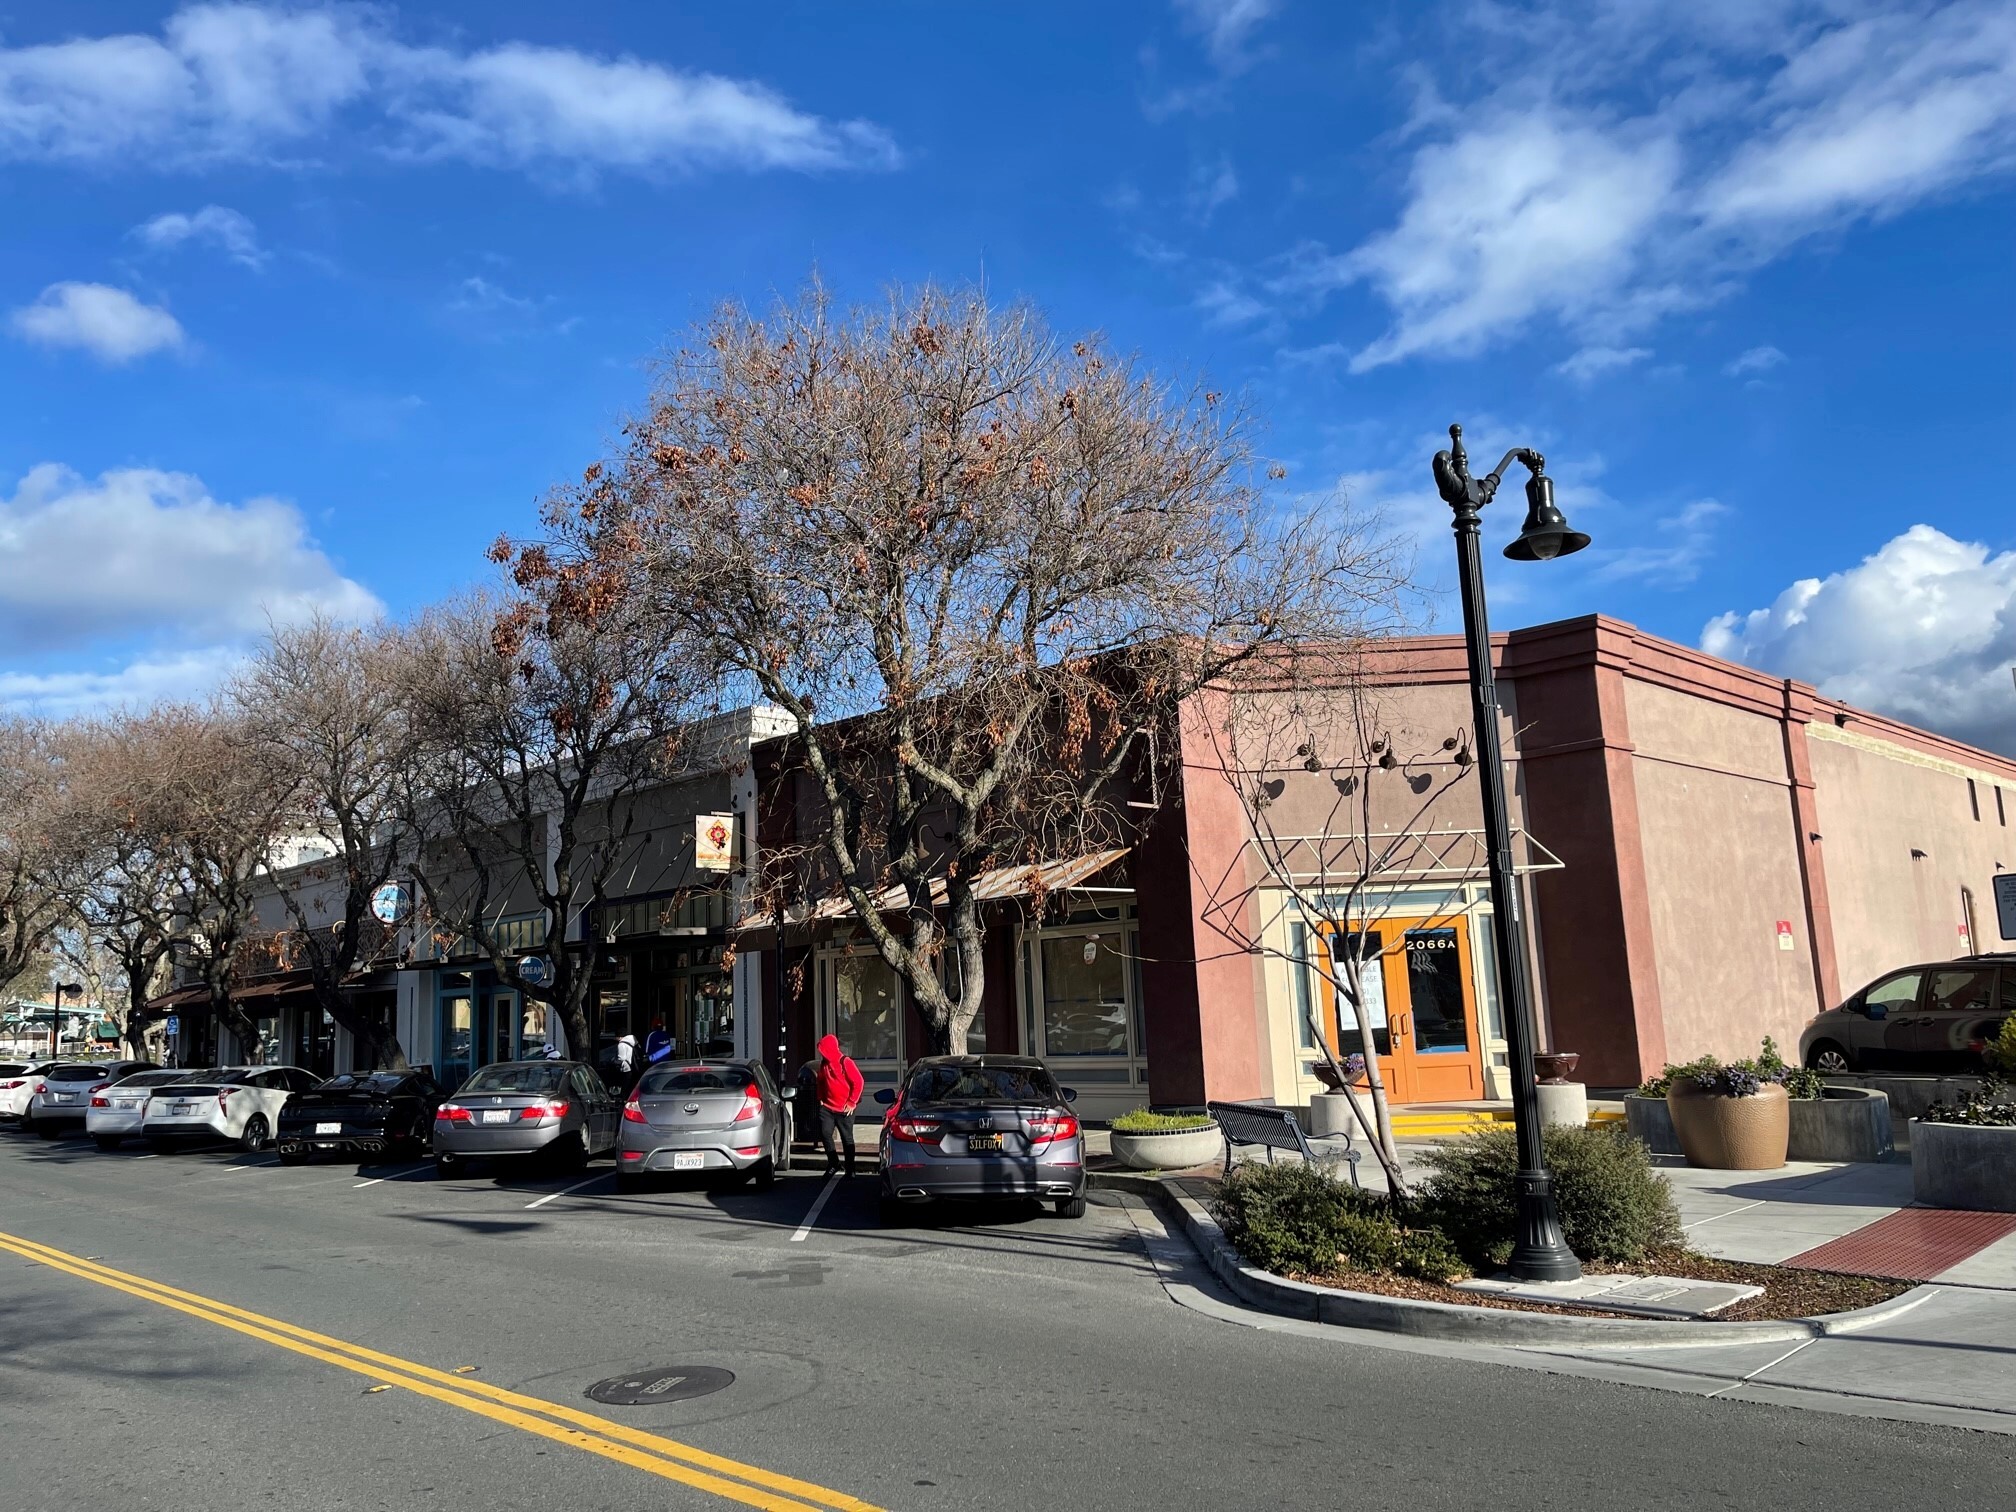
{"x": 661, "y": 1383}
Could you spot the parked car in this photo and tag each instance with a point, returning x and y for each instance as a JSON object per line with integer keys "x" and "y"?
{"x": 981, "y": 1126}
{"x": 64, "y": 1096}
{"x": 726, "y": 1115}
{"x": 521, "y": 1110}
{"x": 241, "y": 1103}
{"x": 1934, "y": 1017}
{"x": 19, "y": 1081}
{"x": 115, "y": 1111}
{"x": 367, "y": 1113}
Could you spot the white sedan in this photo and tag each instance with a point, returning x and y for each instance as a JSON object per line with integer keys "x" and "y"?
{"x": 237, "y": 1103}
{"x": 19, "y": 1081}
{"x": 116, "y": 1111}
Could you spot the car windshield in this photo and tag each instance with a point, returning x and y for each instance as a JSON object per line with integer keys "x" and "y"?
{"x": 384, "y": 1083}
{"x": 1025, "y": 1084}
{"x": 697, "y": 1079}
{"x": 546, "y": 1076}
{"x": 77, "y": 1073}
{"x": 12, "y": 1068}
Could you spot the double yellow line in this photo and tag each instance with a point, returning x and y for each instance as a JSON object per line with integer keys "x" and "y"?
{"x": 714, "y": 1474}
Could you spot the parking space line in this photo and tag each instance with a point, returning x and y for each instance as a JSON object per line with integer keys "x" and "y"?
{"x": 389, "y": 1176}
{"x": 564, "y": 1191}
{"x": 818, "y": 1206}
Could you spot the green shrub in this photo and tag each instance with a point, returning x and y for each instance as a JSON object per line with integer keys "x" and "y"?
{"x": 1142, "y": 1121}
{"x": 2001, "y": 1051}
{"x": 1294, "y": 1218}
{"x": 1738, "y": 1078}
{"x": 1613, "y": 1205}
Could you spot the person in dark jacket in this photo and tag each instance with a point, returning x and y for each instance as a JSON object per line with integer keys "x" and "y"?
{"x": 839, "y": 1085}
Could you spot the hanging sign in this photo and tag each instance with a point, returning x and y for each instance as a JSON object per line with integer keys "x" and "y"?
{"x": 714, "y": 842}
{"x": 536, "y": 971}
{"x": 1784, "y": 934}
{"x": 2005, "y": 904}
{"x": 392, "y": 903}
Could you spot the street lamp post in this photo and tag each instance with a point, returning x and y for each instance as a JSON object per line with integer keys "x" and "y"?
{"x": 1539, "y": 1253}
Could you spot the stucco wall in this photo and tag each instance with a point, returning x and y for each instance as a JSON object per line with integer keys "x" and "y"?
{"x": 1877, "y": 803}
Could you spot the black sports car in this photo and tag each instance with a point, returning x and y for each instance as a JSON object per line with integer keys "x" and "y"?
{"x": 362, "y": 1113}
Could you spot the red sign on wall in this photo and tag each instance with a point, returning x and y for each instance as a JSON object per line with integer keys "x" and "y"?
{"x": 1784, "y": 934}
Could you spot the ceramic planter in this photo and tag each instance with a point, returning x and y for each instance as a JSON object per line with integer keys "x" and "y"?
{"x": 1968, "y": 1166}
{"x": 1172, "y": 1150}
{"x": 1731, "y": 1133}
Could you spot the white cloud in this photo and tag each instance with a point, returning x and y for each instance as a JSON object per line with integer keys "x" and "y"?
{"x": 1759, "y": 359}
{"x": 254, "y": 82}
{"x": 1674, "y": 558}
{"x": 138, "y": 553}
{"x": 135, "y": 684}
{"x": 1647, "y": 158}
{"x": 1225, "y": 304}
{"x": 1593, "y": 362}
{"x": 230, "y": 232}
{"x": 1924, "y": 630}
{"x": 1213, "y": 186}
{"x": 1224, "y": 26}
{"x": 109, "y": 323}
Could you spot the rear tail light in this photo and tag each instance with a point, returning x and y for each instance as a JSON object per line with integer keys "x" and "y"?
{"x": 101, "y": 1086}
{"x": 9, "y": 1086}
{"x": 536, "y": 1111}
{"x": 100, "y": 1102}
{"x": 451, "y": 1113}
{"x": 633, "y": 1112}
{"x": 916, "y": 1130}
{"x": 752, "y": 1150}
{"x": 752, "y": 1106}
{"x": 633, "y": 1155}
{"x": 224, "y": 1097}
{"x": 1062, "y": 1126}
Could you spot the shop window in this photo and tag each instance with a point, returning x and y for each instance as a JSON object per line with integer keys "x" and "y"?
{"x": 1084, "y": 997}
{"x": 1299, "y": 973}
{"x": 862, "y": 1002}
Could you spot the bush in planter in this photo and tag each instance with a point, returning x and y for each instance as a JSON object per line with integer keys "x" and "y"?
{"x": 1142, "y": 1121}
{"x": 1613, "y": 1204}
{"x": 1992, "y": 1106}
{"x": 2001, "y": 1050}
{"x": 1295, "y": 1218}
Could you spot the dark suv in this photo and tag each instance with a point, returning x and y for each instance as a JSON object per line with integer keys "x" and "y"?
{"x": 1934, "y": 1017}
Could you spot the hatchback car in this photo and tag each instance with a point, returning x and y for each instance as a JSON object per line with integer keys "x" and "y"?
{"x": 704, "y": 1116}
{"x": 981, "y": 1126}
{"x": 241, "y": 1104}
{"x": 116, "y": 1111}
{"x": 1929, "y": 1018}
{"x": 364, "y": 1113}
{"x": 19, "y": 1081}
{"x": 520, "y": 1110}
{"x": 58, "y": 1106}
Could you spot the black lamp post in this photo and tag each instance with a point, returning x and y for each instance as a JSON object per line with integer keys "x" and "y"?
{"x": 1539, "y": 1253}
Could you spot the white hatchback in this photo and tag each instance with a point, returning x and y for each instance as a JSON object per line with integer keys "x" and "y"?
{"x": 19, "y": 1081}
{"x": 238, "y": 1103}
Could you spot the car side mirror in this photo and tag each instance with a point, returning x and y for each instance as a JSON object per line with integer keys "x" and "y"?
{"x": 1070, "y": 1094}
{"x": 886, "y": 1096}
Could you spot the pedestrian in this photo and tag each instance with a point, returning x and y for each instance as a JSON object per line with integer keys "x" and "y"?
{"x": 840, "y": 1087}
{"x": 657, "y": 1044}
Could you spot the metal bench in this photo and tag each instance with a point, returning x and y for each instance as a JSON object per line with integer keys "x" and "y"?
{"x": 1277, "y": 1129}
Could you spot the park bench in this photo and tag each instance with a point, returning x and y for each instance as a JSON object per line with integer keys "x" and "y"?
{"x": 1245, "y": 1123}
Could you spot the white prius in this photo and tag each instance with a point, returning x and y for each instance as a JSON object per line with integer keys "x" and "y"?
{"x": 238, "y": 1103}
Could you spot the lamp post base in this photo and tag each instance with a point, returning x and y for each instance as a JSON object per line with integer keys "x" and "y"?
{"x": 1539, "y": 1252}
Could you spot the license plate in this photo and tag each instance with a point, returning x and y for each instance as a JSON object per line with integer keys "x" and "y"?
{"x": 125, "y": 1102}
{"x": 62, "y": 1097}
{"x": 494, "y": 1115}
{"x": 182, "y": 1110}
{"x": 980, "y": 1144}
{"x": 688, "y": 1160}
{"x": 335, "y": 1128}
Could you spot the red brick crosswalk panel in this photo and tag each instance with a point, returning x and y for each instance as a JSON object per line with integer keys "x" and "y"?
{"x": 1912, "y": 1244}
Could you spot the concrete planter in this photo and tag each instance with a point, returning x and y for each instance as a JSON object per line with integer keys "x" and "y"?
{"x": 1844, "y": 1123}
{"x": 1649, "y": 1120}
{"x": 1963, "y": 1166}
{"x": 1175, "y": 1150}
{"x": 1719, "y": 1133}
{"x": 1330, "y": 1115}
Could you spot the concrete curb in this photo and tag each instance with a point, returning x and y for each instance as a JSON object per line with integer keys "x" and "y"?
{"x": 1488, "y": 1325}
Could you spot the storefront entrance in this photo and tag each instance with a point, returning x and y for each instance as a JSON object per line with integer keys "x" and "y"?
{"x": 475, "y": 1028}
{"x": 1419, "y": 1002}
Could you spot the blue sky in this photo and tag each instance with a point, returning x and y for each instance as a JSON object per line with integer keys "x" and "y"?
{"x": 302, "y": 304}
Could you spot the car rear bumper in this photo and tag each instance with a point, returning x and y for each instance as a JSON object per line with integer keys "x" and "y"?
{"x": 485, "y": 1144}
{"x": 657, "y": 1158}
{"x": 113, "y": 1120}
{"x": 980, "y": 1179}
{"x": 362, "y": 1142}
{"x": 60, "y": 1113}
{"x": 183, "y": 1128}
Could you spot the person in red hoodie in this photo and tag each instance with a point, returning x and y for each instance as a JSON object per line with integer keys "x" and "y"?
{"x": 839, "y": 1085}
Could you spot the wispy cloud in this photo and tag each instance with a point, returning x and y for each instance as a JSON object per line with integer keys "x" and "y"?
{"x": 1592, "y": 362}
{"x": 109, "y": 323}
{"x": 217, "y": 225}
{"x": 1759, "y": 359}
{"x": 257, "y": 83}
{"x": 1675, "y": 558}
{"x": 1212, "y": 187}
{"x": 1225, "y": 27}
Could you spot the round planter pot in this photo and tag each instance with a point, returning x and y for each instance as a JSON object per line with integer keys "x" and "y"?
{"x": 1731, "y": 1133}
{"x": 1843, "y": 1123}
{"x": 1330, "y": 1114}
{"x": 1650, "y": 1120}
{"x": 1177, "y": 1150}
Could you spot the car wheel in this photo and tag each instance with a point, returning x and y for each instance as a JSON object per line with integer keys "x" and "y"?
{"x": 257, "y": 1132}
{"x": 1071, "y": 1207}
{"x": 106, "y": 1141}
{"x": 1828, "y": 1057}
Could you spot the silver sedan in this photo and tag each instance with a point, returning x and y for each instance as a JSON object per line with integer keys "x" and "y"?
{"x": 699, "y": 1116}
{"x": 521, "y": 1110}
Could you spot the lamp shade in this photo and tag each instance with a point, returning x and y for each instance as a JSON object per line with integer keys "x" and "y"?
{"x": 1545, "y": 534}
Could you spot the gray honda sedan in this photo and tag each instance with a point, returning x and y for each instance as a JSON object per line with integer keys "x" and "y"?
{"x": 697, "y": 1116}
{"x": 981, "y": 1126}
{"x": 522, "y": 1110}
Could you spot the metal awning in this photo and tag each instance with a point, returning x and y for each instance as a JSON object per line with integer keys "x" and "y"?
{"x": 999, "y": 885}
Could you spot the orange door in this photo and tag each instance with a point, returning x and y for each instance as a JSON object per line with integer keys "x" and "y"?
{"x": 1418, "y": 998}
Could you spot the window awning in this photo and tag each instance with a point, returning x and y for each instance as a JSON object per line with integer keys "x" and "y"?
{"x": 1025, "y": 879}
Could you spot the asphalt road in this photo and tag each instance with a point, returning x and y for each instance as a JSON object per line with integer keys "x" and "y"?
{"x": 1011, "y": 1360}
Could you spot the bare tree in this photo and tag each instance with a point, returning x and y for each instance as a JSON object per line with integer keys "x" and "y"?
{"x": 978, "y": 565}
{"x": 540, "y": 718}
{"x": 322, "y": 705}
{"x": 32, "y": 900}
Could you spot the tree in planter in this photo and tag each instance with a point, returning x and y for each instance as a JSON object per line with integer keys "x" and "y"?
{"x": 977, "y": 565}
{"x": 540, "y": 717}
{"x": 1339, "y": 813}
{"x": 322, "y": 705}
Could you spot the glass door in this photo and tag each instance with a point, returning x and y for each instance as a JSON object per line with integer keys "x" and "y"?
{"x": 1416, "y": 987}
{"x": 457, "y": 1039}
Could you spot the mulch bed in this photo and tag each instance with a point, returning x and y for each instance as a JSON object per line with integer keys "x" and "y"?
{"x": 1788, "y": 1293}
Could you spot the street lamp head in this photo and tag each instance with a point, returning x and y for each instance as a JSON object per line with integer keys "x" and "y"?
{"x": 1545, "y": 535}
